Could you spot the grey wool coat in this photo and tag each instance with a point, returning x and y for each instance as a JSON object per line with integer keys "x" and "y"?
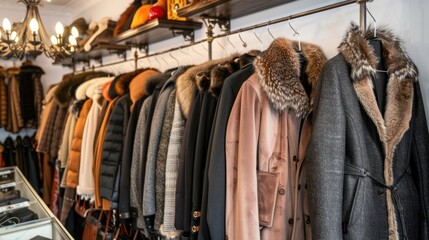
{"x": 368, "y": 171}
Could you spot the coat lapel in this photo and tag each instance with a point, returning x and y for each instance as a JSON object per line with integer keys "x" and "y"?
{"x": 400, "y": 93}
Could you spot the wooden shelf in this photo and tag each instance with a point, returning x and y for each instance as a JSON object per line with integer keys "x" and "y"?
{"x": 97, "y": 53}
{"x": 101, "y": 50}
{"x": 228, "y": 8}
{"x": 154, "y": 31}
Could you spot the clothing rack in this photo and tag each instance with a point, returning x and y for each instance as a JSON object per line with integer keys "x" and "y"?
{"x": 221, "y": 22}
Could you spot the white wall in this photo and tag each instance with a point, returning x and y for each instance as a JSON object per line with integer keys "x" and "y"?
{"x": 405, "y": 18}
{"x": 53, "y": 73}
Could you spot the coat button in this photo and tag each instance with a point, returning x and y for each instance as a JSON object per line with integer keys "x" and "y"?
{"x": 291, "y": 221}
{"x": 282, "y": 191}
{"x": 307, "y": 221}
{"x": 295, "y": 159}
{"x": 381, "y": 192}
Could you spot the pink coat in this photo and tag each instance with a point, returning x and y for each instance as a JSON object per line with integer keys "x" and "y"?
{"x": 266, "y": 139}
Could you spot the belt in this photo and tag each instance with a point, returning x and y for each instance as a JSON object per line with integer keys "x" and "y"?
{"x": 350, "y": 169}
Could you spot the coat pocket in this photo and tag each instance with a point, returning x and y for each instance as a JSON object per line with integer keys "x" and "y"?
{"x": 268, "y": 184}
{"x": 356, "y": 203}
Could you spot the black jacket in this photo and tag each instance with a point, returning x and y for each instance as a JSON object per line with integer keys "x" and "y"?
{"x": 186, "y": 167}
{"x": 27, "y": 79}
{"x": 212, "y": 222}
{"x": 112, "y": 150}
{"x": 127, "y": 154}
{"x": 32, "y": 163}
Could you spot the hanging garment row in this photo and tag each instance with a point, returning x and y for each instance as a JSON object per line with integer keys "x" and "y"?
{"x": 282, "y": 144}
{"x": 21, "y": 96}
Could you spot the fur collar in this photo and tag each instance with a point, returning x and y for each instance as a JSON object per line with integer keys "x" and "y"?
{"x": 12, "y": 71}
{"x": 360, "y": 55}
{"x": 50, "y": 94}
{"x": 67, "y": 87}
{"x": 157, "y": 81}
{"x": 279, "y": 73}
{"x": 97, "y": 87}
{"x": 81, "y": 90}
{"x": 123, "y": 82}
{"x": 399, "y": 100}
{"x": 186, "y": 84}
{"x": 219, "y": 73}
{"x": 32, "y": 69}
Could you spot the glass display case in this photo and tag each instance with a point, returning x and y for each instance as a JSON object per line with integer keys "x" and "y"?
{"x": 46, "y": 226}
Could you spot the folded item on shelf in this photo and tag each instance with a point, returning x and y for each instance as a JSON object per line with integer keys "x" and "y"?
{"x": 13, "y": 201}
{"x": 5, "y": 196}
{"x": 6, "y": 176}
{"x": 17, "y": 216}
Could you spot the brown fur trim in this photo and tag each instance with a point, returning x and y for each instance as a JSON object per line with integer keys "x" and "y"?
{"x": 67, "y": 87}
{"x": 121, "y": 85}
{"x": 186, "y": 84}
{"x": 316, "y": 59}
{"x": 220, "y": 73}
{"x": 12, "y": 71}
{"x": 123, "y": 19}
{"x": 400, "y": 94}
{"x": 138, "y": 84}
{"x": 279, "y": 73}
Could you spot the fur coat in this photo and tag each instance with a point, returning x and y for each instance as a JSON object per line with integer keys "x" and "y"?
{"x": 369, "y": 169}
{"x": 3, "y": 99}
{"x": 266, "y": 139}
{"x": 15, "y": 121}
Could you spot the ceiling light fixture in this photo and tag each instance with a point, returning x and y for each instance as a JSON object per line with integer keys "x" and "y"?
{"x": 30, "y": 38}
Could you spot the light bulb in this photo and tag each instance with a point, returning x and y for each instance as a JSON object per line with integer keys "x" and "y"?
{"x": 34, "y": 25}
{"x": 6, "y": 25}
{"x": 74, "y": 32}
{"x": 72, "y": 41}
{"x": 54, "y": 40}
{"x": 59, "y": 29}
{"x": 13, "y": 35}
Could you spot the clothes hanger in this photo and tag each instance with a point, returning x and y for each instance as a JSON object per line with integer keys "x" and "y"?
{"x": 177, "y": 61}
{"x": 374, "y": 37}
{"x": 230, "y": 43}
{"x": 295, "y": 33}
{"x": 256, "y": 35}
{"x": 159, "y": 64}
{"x": 375, "y": 23}
{"x": 241, "y": 39}
{"x": 223, "y": 49}
{"x": 268, "y": 29}
{"x": 187, "y": 54}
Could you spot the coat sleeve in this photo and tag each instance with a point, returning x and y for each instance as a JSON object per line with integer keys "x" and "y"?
{"x": 420, "y": 158}
{"x": 242, "y": 218}
{"x": 326, "y": 156}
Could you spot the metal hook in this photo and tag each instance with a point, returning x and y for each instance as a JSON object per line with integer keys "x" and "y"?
{"x": 375, "y": 22}
{"x": 256, "y": 35}
{"x": 220, "y": 45}
{"x": 150, "y": 63}
{"x": 177, "y": 61}
{"x": 295, "y": 33}
{"x": 241, "y": 39}
{"x": 227, "y": 38}
{"x": 163, "y": 59}
{"x": 159, "y": 63}
{"x": 268, "y": 29}
{"x": 185, "y": 53}
{"x": 195, "y": 51}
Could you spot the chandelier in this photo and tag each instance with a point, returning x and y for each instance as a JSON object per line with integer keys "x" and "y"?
{"x": 30, "y": 38}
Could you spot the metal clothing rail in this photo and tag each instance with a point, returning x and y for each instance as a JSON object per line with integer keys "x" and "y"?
{"x": 211, "y": 37}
